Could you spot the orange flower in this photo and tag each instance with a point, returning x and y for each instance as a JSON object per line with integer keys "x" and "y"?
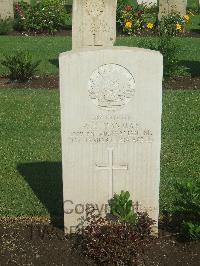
{"x": 186, "y": 18}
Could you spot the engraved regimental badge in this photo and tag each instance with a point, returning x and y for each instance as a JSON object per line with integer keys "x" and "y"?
{"x": 111, "y": 86}
{"x": 95, "y": 8}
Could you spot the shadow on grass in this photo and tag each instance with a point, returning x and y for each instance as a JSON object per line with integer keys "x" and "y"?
{"x": 193, "y": 67}
{"x": 54, "y": 62}
{"x": 196, "y": 30}
{"x": 45, "y": 179}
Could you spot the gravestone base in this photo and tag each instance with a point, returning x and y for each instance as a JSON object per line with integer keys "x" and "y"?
{"x": 111, "y": 102}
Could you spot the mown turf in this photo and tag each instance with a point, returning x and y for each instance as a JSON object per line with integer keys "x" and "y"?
{"x": 193, "y": 5}
{"x": 30, "y": 132}
{"x": 189, "y": 47}
{"x": 30, "y": 151}
{"x": 188, "y": 51}
{"x": 180, "y": 157}
{"x": 194, "y": 23}
{"x": 47, "y": 49}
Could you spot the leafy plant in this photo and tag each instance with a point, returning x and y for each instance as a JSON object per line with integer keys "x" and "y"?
{"x": 188, "y": 198}
{"x": 170, "y": 50}
{"x": 20, "y": 65}
{"x": 172, "y": 24}
{"x": 188, "y": 207}
{"x": 111, "y": 242}
{"x": 117, "y": 239}
{"x": 20, "y": 15}
{"x": 121, "y": 207}
{"x": 42, "y": 16}
{"x": 6, "y": 26}
{"x": 191, "y": 230}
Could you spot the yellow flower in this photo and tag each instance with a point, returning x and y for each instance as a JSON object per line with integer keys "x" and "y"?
{"x": 178, "y": 26}
{"x": 150, "y": 25}
{"x": 186, "y": 18}
{"x": 128, "y": 25}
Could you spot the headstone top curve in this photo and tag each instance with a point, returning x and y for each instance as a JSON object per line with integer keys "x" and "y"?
{"x": 115, "y": 48}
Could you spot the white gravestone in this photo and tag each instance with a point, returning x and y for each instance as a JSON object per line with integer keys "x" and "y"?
{"x": 93, "y": 23}
{"x": 168, "y": 6}
{"x": 111, "y": 101}
{"x": 6, "y": 9}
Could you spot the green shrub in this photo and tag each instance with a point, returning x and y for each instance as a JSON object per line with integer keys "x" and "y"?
{"x": 45, "y": 16}
{"x": 187, "y": 204}
{"x": 20, "y": 66}
{"x": 6, "y": 26}
{"x": 170, "y": 50}
{"x": 172, "y": 24}
{"x": 191, "y": 230}
{"x": 188, "y": 198}
{"x": 20, "y": 15}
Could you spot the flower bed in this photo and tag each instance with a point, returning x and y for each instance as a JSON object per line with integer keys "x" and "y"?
{"x": 140, "y": 19}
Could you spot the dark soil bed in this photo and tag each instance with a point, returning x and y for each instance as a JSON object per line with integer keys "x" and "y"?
{"x": 52, "y": 82}
{"x": 180, "y": 83}
{"x": 44, "y": 82}
{"x": 31, "y": 243}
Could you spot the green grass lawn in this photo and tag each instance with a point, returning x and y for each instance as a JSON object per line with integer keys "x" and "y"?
{"x": 47, "y": 49}
{"x": 30, "y": 132}
{"x": 30, "y": 150}
{"x": 194, "y": 23}
{"x": 193, "y": 4}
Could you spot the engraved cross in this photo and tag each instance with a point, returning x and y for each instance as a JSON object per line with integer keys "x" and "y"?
{"x": 111, "y": 167}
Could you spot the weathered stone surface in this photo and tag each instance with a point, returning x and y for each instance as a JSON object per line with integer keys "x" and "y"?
{"x": 168, "y": 6}
{"x": 6, "y": 9}
{"x": 111, "y": 101}
{"x": 148, "y": 2}
{"x": 94, "y": 23}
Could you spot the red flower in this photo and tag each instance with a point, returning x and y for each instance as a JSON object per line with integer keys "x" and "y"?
{"x": 137, "y": 14}
{"x": 128, "y": 8}
{"x": 19, "y": 10}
